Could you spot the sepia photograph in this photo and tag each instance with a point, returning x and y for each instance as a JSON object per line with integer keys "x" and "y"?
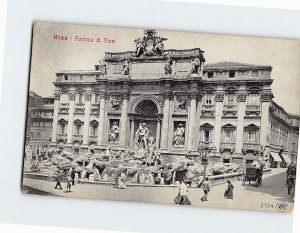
{"x": 163, "y": 117}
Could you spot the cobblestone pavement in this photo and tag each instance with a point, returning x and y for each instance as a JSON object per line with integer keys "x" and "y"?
{"x": 268, "y": 197}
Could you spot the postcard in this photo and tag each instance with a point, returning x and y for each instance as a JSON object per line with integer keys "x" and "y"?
{"x": 166, "y": 117}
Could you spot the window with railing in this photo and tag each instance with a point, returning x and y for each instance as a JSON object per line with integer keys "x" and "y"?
{"x": 62, "y": 126}
{"x": 251, "y": 134}
{"x": 230, "y": 100}
{"x": 78, "y": 127}
{"x": 228, "y": 134}
{"x": 93, "y": 128}
{"x": 206, "y": 135}
{"x": 253, "y": 99}
{"x": 208, "y": 99}
{"x": 80, "y": 97}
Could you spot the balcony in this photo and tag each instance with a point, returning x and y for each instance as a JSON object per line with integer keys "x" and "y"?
{"x": 63, "y": 108}
{"x": 206, "y": 144}
{"x": 79, "y": 109}
{"x": 251, "y": 147}
{"x": 77, "y": 139}
{"x": 230, "y": 110}
{"x": 95, "y": 109}
{"x": 208, "y": 110}
{"x": 252, "y": 110}
{"x": 227, "y": 146}
{"x": 93, "y": 139}
{"x": 61, "y": 138}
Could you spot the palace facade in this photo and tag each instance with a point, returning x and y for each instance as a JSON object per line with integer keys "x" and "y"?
{"x": 183, "y": 104}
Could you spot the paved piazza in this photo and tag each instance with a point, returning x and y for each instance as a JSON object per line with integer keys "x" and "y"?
{"x": 266, "y": 197}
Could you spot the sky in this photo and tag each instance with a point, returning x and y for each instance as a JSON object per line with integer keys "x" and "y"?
{"x": 51, "y": 55}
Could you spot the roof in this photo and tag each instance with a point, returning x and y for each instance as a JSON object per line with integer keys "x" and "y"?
{"x": 234, "y": 66}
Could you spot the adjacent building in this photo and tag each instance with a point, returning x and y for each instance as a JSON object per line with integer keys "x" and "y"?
{"x": 183, "y": 105}
{"x": 39, "y": 123}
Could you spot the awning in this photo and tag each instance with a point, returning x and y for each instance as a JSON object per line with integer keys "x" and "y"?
{"x": 276, "y": 157}
{"x": 286, "y": 158}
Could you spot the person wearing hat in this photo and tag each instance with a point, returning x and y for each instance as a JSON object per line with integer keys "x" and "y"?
{"x": 290, "y": 183}
{"x": 58, "y": 179}
{"x": 206, "y": 188}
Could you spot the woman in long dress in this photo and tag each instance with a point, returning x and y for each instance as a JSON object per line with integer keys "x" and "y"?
{"x": 182, "y": 198}
{"x": 229, "y": 191}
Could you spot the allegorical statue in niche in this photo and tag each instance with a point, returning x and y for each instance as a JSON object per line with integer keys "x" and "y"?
{"x": 178, "y": 137}
{"x": 142, "y": 136}
{"x": 196, "y": 66}
{"x": 125, "y": 69}
{"x": 115, "y": 104}
{"x": 180, "y": 104}
{"x": 102, "y": 68}
{"x": 168, "y": 66}
{"x": 114, "y": 133}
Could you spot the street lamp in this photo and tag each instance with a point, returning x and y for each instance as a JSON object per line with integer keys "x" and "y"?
{"x": 203, "y": 151}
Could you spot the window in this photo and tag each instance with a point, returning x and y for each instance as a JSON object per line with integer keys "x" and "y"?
{"x": 230, "y": 99}
{"x": 206, "y": 134}
{"x": 228, "y": 134}
{"x": 31, "y": 135}
{"x": 97, "y": 98}
{"x": 231, "y": 74}
{"x": 66, "y": 77}
{"x": 210, "y": 74}
{"x": 39, "y": 135}
{"x": 94, "y": 129}
{"x": 32, "y": 113}
{"x": 251, "y": 135}
{"x": 253, "y": 99}
{"x": 35, "y": 123}
{"x": 209, "y": 99}
{"x": 80, "y": 98}
{"x": 62, "y": 126}
{"x": 77, "y": 129}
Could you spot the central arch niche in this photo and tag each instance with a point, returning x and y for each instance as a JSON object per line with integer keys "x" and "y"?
{"x": 146, "y": 108}
{"x": 145, "y": 111}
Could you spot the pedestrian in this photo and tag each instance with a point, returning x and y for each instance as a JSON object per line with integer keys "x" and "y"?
{"x": 290, "y": 183}
{"x": 73, "y": 174}
{"x": 206, "y": 188}
{"x": 69, "y": 181}
{"x": 58, "y": 179}
{"x": 229, "y": 191}
{"x": 183, "y": 193}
